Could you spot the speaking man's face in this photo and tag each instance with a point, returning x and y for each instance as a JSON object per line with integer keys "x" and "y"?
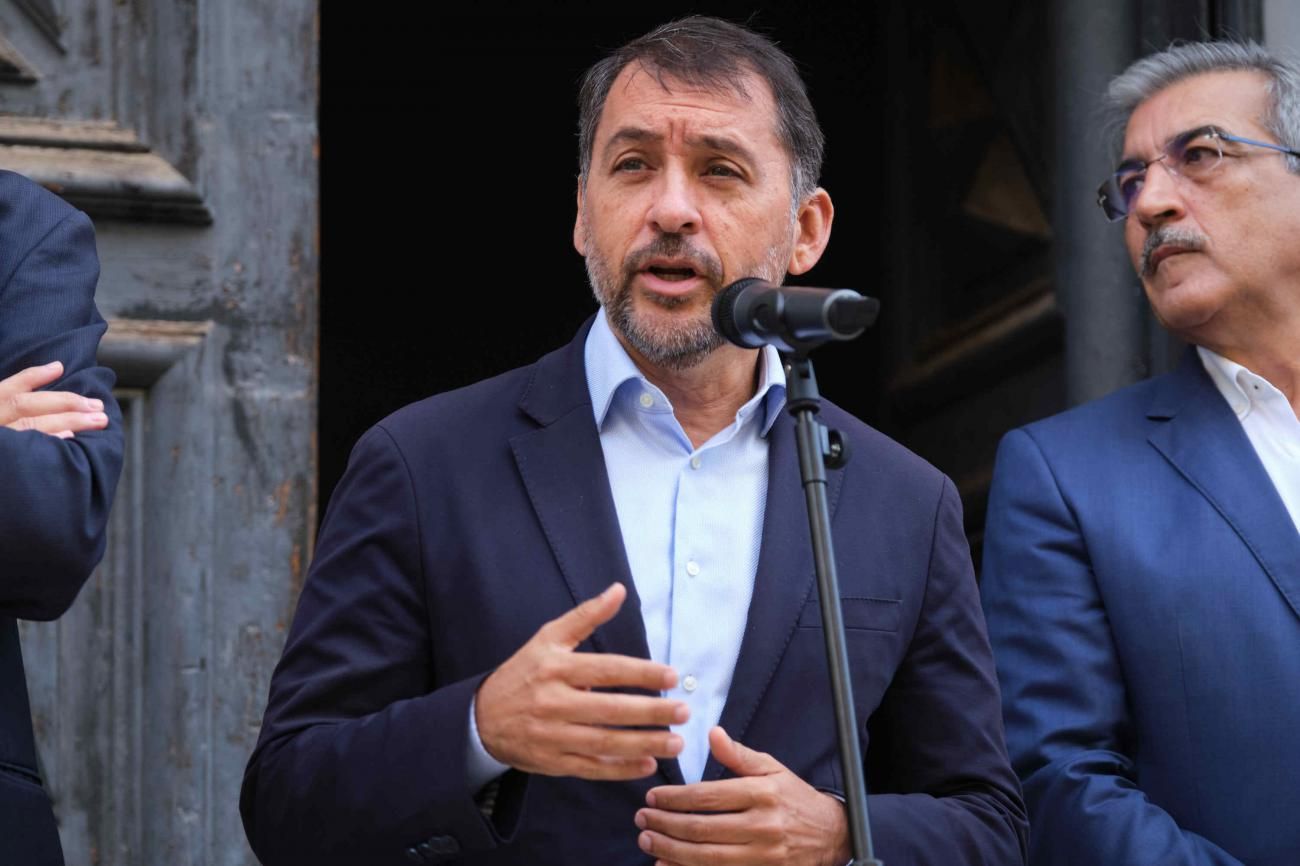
{"x": 1217, "y": 255}
{"x": 687, "y": 191}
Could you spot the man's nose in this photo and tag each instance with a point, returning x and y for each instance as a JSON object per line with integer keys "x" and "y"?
{"x": 1160, "y": 199}
{"x": 674, "y": 209}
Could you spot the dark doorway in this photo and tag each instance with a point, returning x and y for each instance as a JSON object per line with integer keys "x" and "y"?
{"x": 448, "y": 183}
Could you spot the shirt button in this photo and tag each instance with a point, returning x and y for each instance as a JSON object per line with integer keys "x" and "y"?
{"x": 696, "y": 463}
{"x": 647, "y": 401}
{"x": 692, "y": 568}
{"x": 690, "y": 683}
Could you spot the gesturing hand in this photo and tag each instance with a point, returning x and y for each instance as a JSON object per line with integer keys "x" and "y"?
{"x": 538, "y": 714}
{"x": 767, "y": 816}
{"x": 58, "y": 413}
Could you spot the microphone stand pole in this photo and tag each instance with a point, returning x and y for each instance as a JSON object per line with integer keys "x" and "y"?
{"x": 819, "y": 448}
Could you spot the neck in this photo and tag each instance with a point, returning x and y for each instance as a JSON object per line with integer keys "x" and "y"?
{"x": 707, "y": 396}
{"x": 1272, "y": 356}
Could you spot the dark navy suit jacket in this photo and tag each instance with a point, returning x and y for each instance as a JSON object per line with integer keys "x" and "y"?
{"x": 55, "y": 493}
{"x": 468, "y": 520}
{"x": 1142, "y": 584}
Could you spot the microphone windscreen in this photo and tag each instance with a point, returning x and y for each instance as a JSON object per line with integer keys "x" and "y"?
{"x": 724, "y": 310}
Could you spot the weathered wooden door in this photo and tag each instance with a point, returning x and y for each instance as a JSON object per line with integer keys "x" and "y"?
{"x": 187, "y": 130}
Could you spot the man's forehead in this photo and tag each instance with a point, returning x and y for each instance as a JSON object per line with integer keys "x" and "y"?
{"x": 1235, "y": 100}
{"x": 738, "y": 83}
{"x": 735, "y": 93}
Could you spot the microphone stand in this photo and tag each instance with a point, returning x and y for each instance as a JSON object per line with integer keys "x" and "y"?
{"x": 819, "y": 448}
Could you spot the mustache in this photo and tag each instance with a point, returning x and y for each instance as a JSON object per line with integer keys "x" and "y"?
{"x": 677, "y": 247}
{"x": 1182, "y": 238}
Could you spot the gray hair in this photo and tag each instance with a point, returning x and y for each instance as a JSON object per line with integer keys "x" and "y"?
{"x": 1150, "y": 75}
{"x": 711, "y": 53}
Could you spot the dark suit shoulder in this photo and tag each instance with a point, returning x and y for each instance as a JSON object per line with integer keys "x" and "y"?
{"x": 490, "y": 401}
{"x": 1101, "y": 423}
{"x": 510, "y": 403}
{"x": 25, "y": 202}
{"x": 28, "y": 214}
{"x": 886, "y": 459}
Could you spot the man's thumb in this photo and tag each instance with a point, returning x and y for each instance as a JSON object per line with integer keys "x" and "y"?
{"x": 739, "y": 758}
{"x": 578, "y": 624}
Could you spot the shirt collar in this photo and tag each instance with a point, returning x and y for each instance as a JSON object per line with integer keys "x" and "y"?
{"x": 609, "y": 367}
{"x": 1238, "y": 385}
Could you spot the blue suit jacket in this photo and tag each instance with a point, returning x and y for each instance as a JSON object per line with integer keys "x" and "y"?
{"x": 466, "y": 521}
{"x": 1142, "y": 585}
{"x": 55, "y": 493}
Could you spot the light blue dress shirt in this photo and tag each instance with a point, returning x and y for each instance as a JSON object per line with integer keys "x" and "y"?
{"x": 692, "y": 524}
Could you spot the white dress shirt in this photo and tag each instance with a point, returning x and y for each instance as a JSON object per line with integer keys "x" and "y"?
{"x": 1269, "y": 421}
{"x": 692, "y": 525}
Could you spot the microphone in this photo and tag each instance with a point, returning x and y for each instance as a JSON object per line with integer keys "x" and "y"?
{"x": 751, "y": 313}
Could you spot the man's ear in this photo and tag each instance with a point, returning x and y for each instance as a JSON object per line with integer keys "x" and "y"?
{"x": 579, "y": 232}
{"x": 812, "y": 231}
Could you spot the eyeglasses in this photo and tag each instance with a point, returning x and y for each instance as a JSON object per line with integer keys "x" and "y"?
{"x": 1194, "y": 155}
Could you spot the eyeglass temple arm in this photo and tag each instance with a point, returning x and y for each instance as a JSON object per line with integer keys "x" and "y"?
{"x": 1281, "y": 148}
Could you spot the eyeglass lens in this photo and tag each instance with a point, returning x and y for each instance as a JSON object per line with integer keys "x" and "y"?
{"x": 1193, "y": 155}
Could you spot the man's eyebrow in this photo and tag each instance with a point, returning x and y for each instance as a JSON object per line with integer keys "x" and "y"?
{"x": 1190, "y": 133}
{"x": 722, "y": 144}
{"x": 630, "y": 135}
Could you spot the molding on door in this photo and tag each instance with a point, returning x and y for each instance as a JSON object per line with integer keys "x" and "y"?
{"x": 100, "y": 168}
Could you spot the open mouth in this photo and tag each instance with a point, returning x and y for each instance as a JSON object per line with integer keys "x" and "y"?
{"x": 672, "y": 275}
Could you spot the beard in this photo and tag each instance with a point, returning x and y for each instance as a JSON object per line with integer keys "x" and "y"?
{"x": 680, "y": 342}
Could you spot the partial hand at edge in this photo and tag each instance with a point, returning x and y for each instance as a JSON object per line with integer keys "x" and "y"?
{"x": 57, "y": 413}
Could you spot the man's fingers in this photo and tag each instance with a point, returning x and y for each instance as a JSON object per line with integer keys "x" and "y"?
{"x": 577, "y": 625}
{"x": 600, "y": 708}
{"x": 727, "y": 795}
{"x": 740, "y": 759}
{"x": 31, "y": 378}
{"x": 73, "y": 422}
{"x": 34, "y": 403}
{"x": 729, "y": 828}
{"x": 669, "y": 849}
{"x": 597, "y": 670}
{"x": 616, "y": 743}
{"x": 606, "y": 769}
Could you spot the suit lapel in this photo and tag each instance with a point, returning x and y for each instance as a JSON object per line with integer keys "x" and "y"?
{"x": 1205, "y": 442}
{"x": 783, "y": 583}
{"x": 563, "y": 469}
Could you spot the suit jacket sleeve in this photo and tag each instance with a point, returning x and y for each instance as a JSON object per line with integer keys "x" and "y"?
{"x": 362, "y": 754}
{"x": 1068, "y": 726}
{"x": 936, "y": 739}
{"x": 56, "y": 494}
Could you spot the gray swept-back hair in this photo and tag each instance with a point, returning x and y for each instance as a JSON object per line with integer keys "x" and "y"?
{"x": 1150, "y": 75}
{"x": 710, "y": 53}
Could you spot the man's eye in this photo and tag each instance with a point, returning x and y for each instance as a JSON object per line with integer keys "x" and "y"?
{"x": 632, "y": 163}
{"x": 1130, "y": 185}
{"x": 719, "y": 170}
{"x": 1200, "y": 156}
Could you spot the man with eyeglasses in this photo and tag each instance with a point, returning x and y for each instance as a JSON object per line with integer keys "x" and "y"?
{"x": 1142, "y": 559}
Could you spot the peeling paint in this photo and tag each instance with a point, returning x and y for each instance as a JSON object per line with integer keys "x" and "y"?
{"x": 295, "y": 572}
{"x": 282, "y": 501}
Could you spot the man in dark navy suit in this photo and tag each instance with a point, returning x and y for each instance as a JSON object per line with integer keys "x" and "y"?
{"x": 60, "y": 456}
{"x": 635, "y": 496}
{"x": 1142, "y": 554}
